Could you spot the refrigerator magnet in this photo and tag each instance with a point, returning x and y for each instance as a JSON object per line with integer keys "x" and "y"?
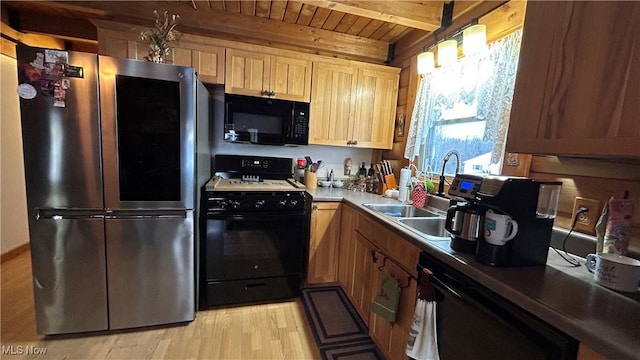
{"x": 72, "y": 71}
{"x": 32, "y": 73}
{"x": 59, "y": 96}
{"x": 27, "y": 91}
{"x": 56, "y": 56}
{"x": 38, "y": 62}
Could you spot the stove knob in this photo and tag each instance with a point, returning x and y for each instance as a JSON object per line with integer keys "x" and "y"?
{"x": 259, "y": 204}
{"x": 281, "y": 204}
{"x": 293, "y": 203}
{"x": 222, "y": 205}
{"x": 235, "y": 205}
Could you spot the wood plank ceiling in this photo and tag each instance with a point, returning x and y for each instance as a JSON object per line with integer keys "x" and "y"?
{"x": 362, "y": 30}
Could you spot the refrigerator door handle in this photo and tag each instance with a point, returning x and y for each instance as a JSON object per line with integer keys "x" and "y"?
{"x": 59, "y": 214}
{"x": 146, "y": 214}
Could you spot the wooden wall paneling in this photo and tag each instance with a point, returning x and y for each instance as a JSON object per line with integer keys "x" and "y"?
{"x": 514, "y": 164}
{"x": 504, "y": 20}
{"x": 235, "y": 26}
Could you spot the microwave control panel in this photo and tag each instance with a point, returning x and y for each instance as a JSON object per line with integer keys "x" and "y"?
{"x": 300, "y": 125}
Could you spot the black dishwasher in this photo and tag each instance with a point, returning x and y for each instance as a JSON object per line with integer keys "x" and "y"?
{"x": 475, "y": 323}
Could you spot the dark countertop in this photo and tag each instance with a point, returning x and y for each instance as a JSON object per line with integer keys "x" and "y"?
{"x": 564, "y": 296}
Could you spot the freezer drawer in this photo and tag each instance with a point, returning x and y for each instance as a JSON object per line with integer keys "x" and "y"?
{"x": 150, "y": 266}
{"x": 69, "y": 273}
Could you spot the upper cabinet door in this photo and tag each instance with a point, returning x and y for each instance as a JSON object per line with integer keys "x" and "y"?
{"x": 257, "y": 74}
{"x": 247, "y": 73}
{"x": 333, "y": 103}
{"x": 375, "y": 108}
{"x": 290, "y": 79}
{"x": 577, "y": 87}
{"x": 353, "y": 107}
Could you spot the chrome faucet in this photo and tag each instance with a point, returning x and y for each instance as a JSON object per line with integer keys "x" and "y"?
{"x": 444, "y": 163}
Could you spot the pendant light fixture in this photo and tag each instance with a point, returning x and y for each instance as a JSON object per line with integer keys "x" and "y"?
{"x": 426, "y": 62}
{"x": 474, "y": 39}
{"x": 447, "y": 52}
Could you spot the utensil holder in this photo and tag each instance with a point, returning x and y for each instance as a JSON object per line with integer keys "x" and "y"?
{"x": 310, "y": 179}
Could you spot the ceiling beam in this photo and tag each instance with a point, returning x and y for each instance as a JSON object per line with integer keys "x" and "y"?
{"x": 424, "y": 15}
{"x": 208, "y": 22}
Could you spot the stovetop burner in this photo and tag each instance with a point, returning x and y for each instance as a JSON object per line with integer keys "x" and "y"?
{"x": 220, "y": 184}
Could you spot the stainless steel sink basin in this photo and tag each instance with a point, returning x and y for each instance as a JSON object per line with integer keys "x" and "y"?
{"x": 431, "y": 228}
{"x": 401, "y": 211}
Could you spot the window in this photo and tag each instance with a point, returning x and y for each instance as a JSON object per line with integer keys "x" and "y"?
{"x": 465, "y": 107}
{"x": 457, "y": 125}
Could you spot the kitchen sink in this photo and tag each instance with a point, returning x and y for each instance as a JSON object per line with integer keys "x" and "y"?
{"x": 431, "y": 228}
{"x": 402, "y": 211}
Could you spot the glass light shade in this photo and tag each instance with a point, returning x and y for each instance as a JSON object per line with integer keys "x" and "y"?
{"x": 426, "y": 62}
{"x": 447, "y": 52}
{"x": 474, "y": 39}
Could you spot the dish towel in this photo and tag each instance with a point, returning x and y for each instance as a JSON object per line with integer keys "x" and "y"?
{"x": 386, "y": 302}
{"x": 423, "y": 338}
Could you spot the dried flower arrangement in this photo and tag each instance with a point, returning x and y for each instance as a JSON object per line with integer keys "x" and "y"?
{"x": 162, "y": 37}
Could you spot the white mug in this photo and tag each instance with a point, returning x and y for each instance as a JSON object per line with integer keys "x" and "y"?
{"x": 617, "y": 272}
{"x": 498, "y": 228}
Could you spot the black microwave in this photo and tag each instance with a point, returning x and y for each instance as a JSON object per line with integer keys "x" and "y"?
{"x": 266, "y": 121}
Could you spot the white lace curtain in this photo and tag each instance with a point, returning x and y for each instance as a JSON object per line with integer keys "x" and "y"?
{"x": 494, "y": 90}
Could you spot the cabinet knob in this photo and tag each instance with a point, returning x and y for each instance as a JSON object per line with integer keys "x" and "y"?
{"x": 354, "y": 142}
{"x": 264, "y": 93}
{"x": 314, "y": 207}
{"x": 349, "y": 143}
{"x": 272, "y": 93}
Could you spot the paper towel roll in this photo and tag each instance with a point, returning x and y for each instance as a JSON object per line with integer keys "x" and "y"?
{"x": 405, "y": 175}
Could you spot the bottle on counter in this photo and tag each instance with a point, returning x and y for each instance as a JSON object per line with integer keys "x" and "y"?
{"x": 330, "y": 177}
{"x": 370, "y": 172}
{"x": 363, "y": 170}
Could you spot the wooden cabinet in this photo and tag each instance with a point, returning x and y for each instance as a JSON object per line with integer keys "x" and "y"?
{"x": 375, "y": 108}
{"x": 577, "y": 88}
{"x": 333, "y": 96}
{"x": 374, "y": 251}
{"x": 392, "y": 337}
{"x": 364, "y": 276}
{"x": 208, "y": 61}
{"x": 353, "y": 106}
{"x": 123, "y": 41}
{"x": 323, "y": 242}
{"x": 346, "y": 248}
{"x": 259, "y": 74}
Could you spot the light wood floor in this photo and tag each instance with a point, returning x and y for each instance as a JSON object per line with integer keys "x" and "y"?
{"x": 267, "y": 331}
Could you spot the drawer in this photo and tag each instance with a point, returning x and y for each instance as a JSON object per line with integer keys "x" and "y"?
{"x": 392, "y": 245}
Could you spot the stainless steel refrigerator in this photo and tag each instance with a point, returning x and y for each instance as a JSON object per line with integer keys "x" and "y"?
{"x": 115, "y": 152}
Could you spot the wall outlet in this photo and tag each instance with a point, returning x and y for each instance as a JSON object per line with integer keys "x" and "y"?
{"x": 586, "y": 221}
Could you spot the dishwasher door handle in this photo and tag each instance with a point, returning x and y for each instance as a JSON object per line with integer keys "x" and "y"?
{"x": 444, "y": 287}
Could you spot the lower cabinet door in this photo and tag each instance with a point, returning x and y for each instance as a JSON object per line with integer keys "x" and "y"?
{"x": 392, "y": 337}
{"x": 323, "y": 244}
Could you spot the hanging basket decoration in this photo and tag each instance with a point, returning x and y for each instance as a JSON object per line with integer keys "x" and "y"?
{"x": 162, "y": 37}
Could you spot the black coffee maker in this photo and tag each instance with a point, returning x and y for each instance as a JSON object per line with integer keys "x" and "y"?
{"x": 532, "y": 204}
